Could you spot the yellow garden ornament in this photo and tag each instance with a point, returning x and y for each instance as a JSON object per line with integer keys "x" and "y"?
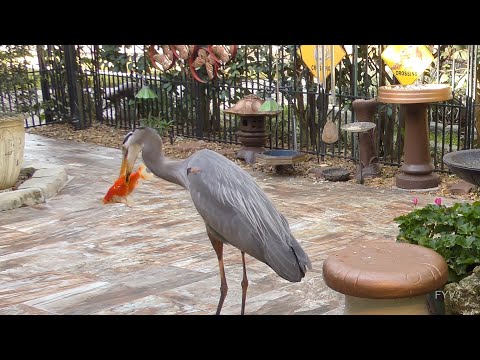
{"x": 407, "y": 62}
{"x": 309, "y": 56}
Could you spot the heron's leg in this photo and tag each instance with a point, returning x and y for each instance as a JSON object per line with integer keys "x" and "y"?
{"x": 244, "y": 284}
{"x": 218, "y": 247}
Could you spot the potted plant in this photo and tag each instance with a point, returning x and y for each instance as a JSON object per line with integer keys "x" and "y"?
{"x": 452, "y": 231}
{"x": 12, "y": 145}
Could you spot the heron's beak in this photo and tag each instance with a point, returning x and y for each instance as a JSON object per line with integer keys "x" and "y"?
{"x": 129, "y": 157}
{"x": 123, "y": 167}
{"x": 126, "y": 167}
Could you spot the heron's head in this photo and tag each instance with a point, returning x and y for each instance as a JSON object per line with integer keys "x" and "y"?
{"x": 131, "y": 147}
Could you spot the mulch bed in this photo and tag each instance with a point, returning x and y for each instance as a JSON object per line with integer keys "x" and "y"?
{"x": 108, "y": 136}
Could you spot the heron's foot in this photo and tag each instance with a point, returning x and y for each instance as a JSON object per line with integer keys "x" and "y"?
{"x": 218, "y": 247}
{"x": 223, "y": 295}
{"x": 244, "y": 294}
{"x": 244, "y": 284}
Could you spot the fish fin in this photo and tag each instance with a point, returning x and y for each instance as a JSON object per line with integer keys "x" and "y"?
{"x": 144, "y": 174}
{"x": 147, "y": 176}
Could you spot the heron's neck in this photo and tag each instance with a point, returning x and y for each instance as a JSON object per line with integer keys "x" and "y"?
{"x": 170, "y": 170}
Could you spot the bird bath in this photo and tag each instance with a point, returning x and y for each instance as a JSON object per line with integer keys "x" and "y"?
{"x": 281, "y": 157}
{"x": 359, "y": 127}
{"x": 417, "y": 168}
{"x": 365, "y": 112}
{"x": 465, "y": 164}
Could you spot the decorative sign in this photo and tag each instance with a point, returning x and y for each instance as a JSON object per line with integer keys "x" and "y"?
{"x": 309, "y": 56}
{"x": 407, "y": 62}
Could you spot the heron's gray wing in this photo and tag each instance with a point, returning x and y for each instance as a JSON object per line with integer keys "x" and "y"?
{"x": 231, "y": 202}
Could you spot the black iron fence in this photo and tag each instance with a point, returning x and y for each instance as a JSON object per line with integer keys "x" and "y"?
{"x": 78, "y": 84}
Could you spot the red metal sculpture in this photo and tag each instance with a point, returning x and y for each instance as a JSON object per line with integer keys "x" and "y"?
{"x": 209, "y": 56}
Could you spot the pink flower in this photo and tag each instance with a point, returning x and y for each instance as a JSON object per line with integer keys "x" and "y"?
{"x": 415, "y": 201}
{"x": 438, "y": 201}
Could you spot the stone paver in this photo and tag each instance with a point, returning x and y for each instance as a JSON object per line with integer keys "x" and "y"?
{"x": 46, "y": 181}
{"x": 75, "y": 255}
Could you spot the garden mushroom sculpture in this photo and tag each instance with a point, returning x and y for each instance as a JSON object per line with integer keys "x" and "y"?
{"x": 235, "y": 209}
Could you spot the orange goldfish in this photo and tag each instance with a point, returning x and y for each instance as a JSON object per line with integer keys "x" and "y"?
{"x": 120, "y": 189}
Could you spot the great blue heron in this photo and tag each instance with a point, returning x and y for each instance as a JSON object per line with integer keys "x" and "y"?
{"x": 235, "y": 209}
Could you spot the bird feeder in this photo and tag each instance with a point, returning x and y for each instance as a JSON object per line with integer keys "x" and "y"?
{"x": 417, "y": 168}
{"x": 365, "y": 112}
{"x": 146, "y": 93}
{"x": 359, "y": 127}
{"x": 252, "y": 134}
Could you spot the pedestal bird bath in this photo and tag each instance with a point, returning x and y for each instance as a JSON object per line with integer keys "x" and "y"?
{"x": 417, "y": 168}
{"x": 358, "y": 128}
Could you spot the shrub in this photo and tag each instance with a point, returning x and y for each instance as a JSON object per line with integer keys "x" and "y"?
{"x": 453, "y": 232}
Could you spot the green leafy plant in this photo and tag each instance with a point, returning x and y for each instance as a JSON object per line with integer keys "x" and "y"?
{"x": 157, "y": 122}
{"x": 453, "y": 232}
{"x": 17, "y": 81}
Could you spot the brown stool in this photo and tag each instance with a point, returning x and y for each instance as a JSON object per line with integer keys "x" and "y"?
{"x": 385, "y": 278}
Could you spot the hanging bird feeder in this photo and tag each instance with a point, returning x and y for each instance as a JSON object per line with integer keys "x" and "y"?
{"x": 146, "y": 93}
{"x": 270, "y": 106}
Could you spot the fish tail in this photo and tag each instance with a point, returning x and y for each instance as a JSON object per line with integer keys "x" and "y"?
{"x": 144, "y": 174}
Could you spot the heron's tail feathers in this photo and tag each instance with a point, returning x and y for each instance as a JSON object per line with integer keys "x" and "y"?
{"x": 302, "y": 258}
{"x": 290, "y": 262}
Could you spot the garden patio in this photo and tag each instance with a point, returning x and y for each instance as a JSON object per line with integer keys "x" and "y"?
{"x": 75, "y": 255}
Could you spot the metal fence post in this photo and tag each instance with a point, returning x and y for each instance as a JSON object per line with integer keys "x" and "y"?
{"x": 97, "y": 92}
{"x": 71, "y": 70}
{"x": 201, "y": 102}
{"x": 44, "y": 83}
